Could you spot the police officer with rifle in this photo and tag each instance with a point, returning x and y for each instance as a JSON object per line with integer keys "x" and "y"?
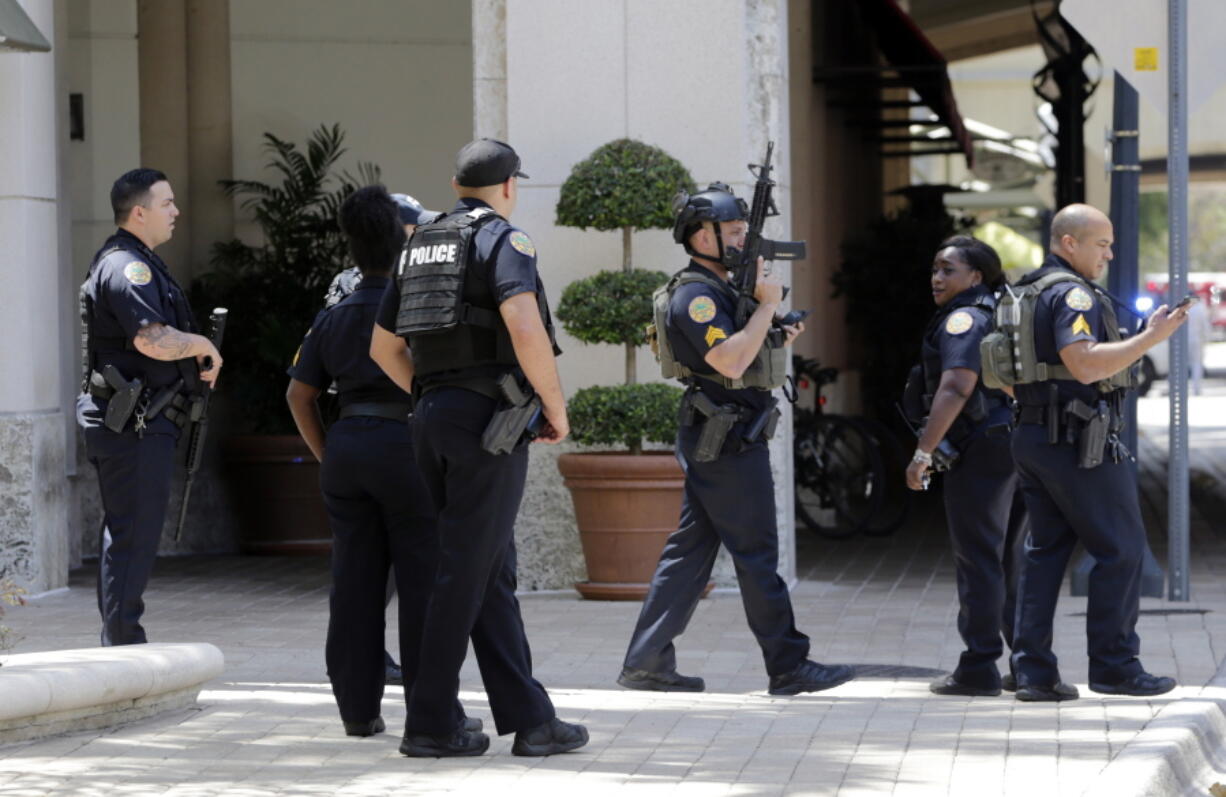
{"x": 145, "y": 372}
{"x": 1058, "y": 347}
{"x": 716, "y": 330}
{"x": 467, "y": 299}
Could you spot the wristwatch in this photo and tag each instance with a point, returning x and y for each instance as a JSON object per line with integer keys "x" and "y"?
{"x": 922, "y": 457}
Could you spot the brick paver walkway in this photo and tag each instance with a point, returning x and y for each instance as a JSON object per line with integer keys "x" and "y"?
{"x": 269, "y": 725}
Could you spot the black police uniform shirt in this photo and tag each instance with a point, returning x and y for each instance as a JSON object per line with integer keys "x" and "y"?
{"x": 337, "y": 347}
{"x": 502, "y": 254}
{"x": 1066, "y": 313}
{"x": 130, "y": 289}
{"x": 700, "y": 318}
{"x": 955, "y": 332}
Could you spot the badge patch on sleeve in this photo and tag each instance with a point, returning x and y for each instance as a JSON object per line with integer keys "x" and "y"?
{"x": 522, "y": 243}
{"x": 138, "y": 273}
{"x": 1081, "y": 325}
{"x": 702, "y": 309}
{"x": 1079, "y": 299}
{"x": 714, "y": 334}
{"x": 959, "y": 322}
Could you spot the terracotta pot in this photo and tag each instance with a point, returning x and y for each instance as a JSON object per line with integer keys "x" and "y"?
{"x": 626, "y": 505}
{"x": 274, "y": 480}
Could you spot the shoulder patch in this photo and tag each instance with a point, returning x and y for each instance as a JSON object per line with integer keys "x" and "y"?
{"x": 702, "y": 309}
{"x": 959, "y": 322}
{"x": 1079, "y": 299}
{"x": 522, "y": 243}
{"x": 138, "y": 273}
{"x": 1080, "y": 325}
{"x": 713, "y": 334}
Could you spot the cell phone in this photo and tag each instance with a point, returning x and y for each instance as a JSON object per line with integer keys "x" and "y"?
{"x": 1185, "y": 301}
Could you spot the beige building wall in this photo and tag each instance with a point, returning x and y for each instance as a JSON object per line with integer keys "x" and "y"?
{"x": 396, "y": 75}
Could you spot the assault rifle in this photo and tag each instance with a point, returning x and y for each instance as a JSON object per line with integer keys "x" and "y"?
{"x": 745, "y": 269}
{"x": 199, "y": 418}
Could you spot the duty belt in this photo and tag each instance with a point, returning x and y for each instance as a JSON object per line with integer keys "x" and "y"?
{"x": 392, "y": 411}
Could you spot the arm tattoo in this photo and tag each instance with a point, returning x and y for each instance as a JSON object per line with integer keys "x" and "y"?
{"x": 163, "y": 342}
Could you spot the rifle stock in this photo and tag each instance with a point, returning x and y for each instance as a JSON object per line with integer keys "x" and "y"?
{"x": 200, "y": 421}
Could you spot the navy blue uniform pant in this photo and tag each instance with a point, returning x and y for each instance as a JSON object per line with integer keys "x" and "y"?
{"x": 1099, "y": 507}
{"x": 382, "y": 516}
{"x": 987, "y": 523}
{"x": 134, "y": 480}
{"x": 729, "y": 501}
{"x": 477, "y": 495}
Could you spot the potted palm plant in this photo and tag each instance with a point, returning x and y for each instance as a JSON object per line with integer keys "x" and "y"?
{"x": 273, "y": 290}
{"x": 627, "y": 500}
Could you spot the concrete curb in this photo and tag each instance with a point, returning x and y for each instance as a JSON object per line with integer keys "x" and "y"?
{"x": 43, "y": 694}
{"x": 1182, "y": 750}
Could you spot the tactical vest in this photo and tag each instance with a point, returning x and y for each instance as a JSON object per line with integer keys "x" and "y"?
{"x": 451, "y": 319}
{"x": 1008, "y": 352}
{"x": 976, "y": 407}
{"x": 768, "y": 369}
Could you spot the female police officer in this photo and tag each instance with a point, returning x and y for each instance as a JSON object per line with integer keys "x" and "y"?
{"x": 981, "y": 498}
{"x": 380, "y": 511}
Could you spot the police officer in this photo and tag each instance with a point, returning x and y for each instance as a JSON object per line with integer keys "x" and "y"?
{"x": 983, "y": 506}
{"x": 1076, "y": 486}
{"x": 469, "y": 301}
{"x": 381, "y": 514}
{"x": 728, "y": 414}
{"x": 411, "y": 214}
{"x": 143, "y": 358}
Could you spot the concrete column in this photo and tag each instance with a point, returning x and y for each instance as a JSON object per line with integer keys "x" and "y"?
{"x": 490, "y": 69}
{"x": 208, "y": 211}
{"x": 33, "y": 533}
{"x": 164, "y": 134}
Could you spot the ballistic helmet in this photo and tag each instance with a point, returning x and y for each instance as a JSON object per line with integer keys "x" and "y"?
{"x": 715, "y": 203}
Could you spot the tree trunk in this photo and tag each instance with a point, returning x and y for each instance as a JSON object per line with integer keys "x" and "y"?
{"x": 631, "y": 366}
{"x": 627, "y": 244}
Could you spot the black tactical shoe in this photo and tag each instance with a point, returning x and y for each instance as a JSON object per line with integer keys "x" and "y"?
{"x": 553, "y": 737}
{"x": 660, "y": 681}
{"x": 1008, "y": 682}
{"x": 473, "y": 724}
{"x": 457, "y": 743}
{"x": 810, "y": 676}
{"x": 368, "y": 728}
{"x": 949, "y": 685}
{"x": 1140, "y": 685}
{"x": 1034, "y": 693}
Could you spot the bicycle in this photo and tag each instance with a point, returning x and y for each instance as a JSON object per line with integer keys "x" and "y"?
{"x": 847, "y": 469}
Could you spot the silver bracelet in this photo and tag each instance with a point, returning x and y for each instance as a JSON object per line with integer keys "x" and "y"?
{"x": 922, "y": 457}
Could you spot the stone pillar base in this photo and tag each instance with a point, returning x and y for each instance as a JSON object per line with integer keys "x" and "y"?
{"x": 33, "y": 517}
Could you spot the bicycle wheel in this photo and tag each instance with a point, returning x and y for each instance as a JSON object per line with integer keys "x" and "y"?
{"x": 838, "y": 475}
{"x": 895, "y": 497}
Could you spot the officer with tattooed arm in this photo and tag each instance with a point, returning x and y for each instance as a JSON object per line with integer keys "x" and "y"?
{"x": 1072, "y": 371}
{"x": 143, "y": 361}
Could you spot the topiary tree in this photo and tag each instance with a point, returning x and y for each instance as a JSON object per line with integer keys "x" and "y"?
{"x": 624, "y": 185}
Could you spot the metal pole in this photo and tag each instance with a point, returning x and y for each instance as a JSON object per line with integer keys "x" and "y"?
{"x": 1123, "y": 277}
{"x": 1177, "y": 187}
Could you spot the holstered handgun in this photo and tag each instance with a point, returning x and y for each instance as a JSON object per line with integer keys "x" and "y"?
{"x": 123, "y": 401}
{"x": 521, "y": 419}
{"x": 763, "y": 425}
{"x": 1092, "y": 437}
{"x": 719, "y": 421}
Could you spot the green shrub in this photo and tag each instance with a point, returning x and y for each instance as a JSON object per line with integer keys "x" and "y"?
{"x": 625, "y": 415}
{"x": 624, "y": 183}
{"x": 610, "y": 307}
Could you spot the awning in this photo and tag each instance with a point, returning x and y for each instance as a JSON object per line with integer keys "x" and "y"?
{"x": 914, "y": 63}
{"x": 17, "y": 32}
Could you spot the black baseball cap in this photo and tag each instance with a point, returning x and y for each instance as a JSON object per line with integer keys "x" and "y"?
{"x": 411, "y": 211}
{"x": 486, "y": 162}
